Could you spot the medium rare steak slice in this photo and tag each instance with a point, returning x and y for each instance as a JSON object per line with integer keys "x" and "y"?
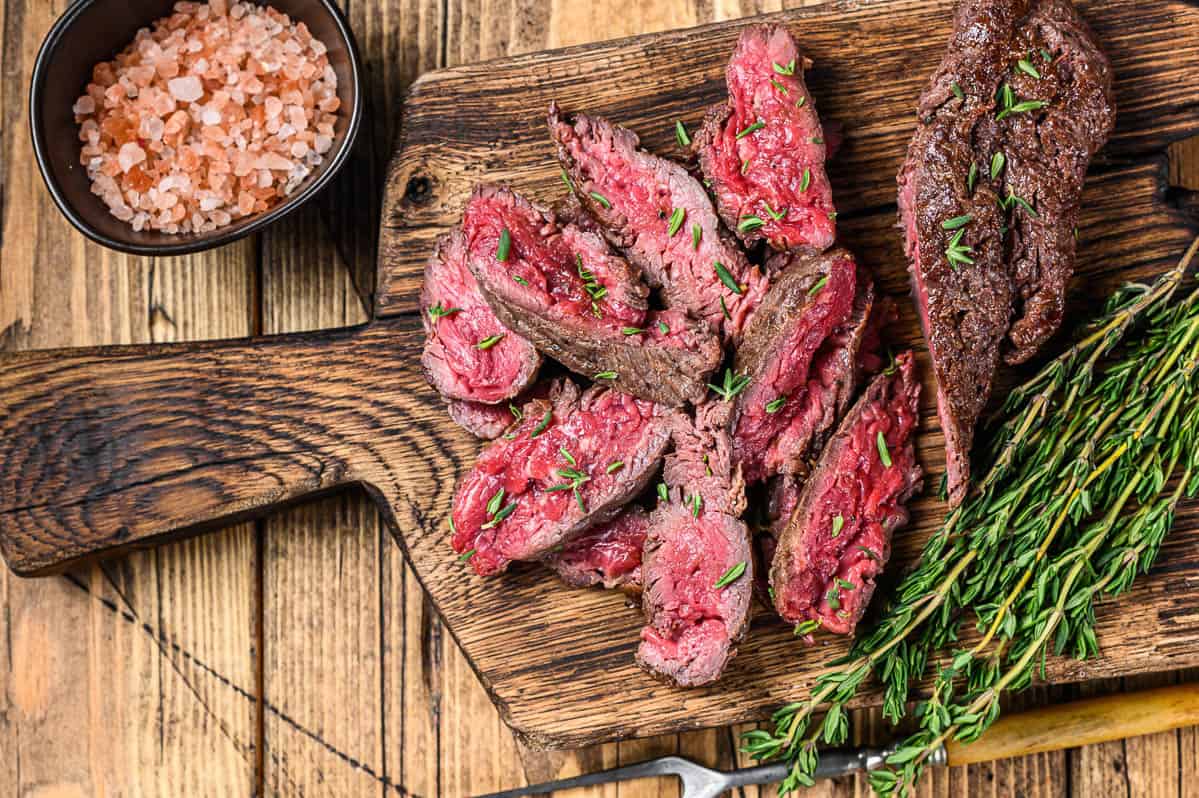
{"x": 796, "y": 356}
{"x": 839, "y": 536}
{"x": 764, "y": 149}
{"x": 457, "y": 359}
{"x": 655, "y": 212}
{"x": 608, "y": 554}
{"x": 556, "y": 477}
{"x": 563, "y": 289}
{"x": 698, "y": 566}
{"x": 989, "y": 195}
{"x": 483, "y": 421}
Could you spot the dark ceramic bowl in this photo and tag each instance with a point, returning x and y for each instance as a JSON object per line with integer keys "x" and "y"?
{"x": 91, "y": 31}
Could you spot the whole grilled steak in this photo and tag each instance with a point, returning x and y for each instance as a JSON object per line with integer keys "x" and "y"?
{"x": 764, "y": 149}
{"x": 563, "y": 289}
{"x": 553, "y": 479}
{"x": 838, "y": 538}
{"x": 698, "y": 565}
{"x": 457, "y": 320}
{"x": 655, "y": 212}
{"x": 989, "y": 193}
{"x": 800, "y": 371}
{"x": 608, "y": 555}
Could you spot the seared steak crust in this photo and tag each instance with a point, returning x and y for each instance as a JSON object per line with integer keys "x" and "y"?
{"x": 769, "y": 183}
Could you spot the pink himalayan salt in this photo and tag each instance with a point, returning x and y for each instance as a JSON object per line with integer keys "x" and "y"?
{"x": 217, "y": 112}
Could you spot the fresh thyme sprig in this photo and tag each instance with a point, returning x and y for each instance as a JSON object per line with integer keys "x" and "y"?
{"x": 1050, "y": 526}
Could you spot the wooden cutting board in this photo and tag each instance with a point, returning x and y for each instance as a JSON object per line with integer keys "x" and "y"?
{"x": 103, "y": 449}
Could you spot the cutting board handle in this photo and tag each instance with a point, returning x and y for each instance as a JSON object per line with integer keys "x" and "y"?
{"x": 103, "y": 449}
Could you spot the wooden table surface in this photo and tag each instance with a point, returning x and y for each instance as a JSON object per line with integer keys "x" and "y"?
{"x": 297, "y": 655}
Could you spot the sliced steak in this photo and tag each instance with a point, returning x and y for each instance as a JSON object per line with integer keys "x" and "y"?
{"x": 553, "y": 479}
{"x": 563, "y": 289}
{"x": 800, "y": 369}
{"x": 483, "y": 421}
{"x": 838, "y": 537}
{"x": 655, "y": 212}
{"x": 989, "y": 194}
{"x": 607, "y": 555}
{"x": 764, "y": 149}
{"x": 456, "y": 320}
{"x": 698, "y": 565}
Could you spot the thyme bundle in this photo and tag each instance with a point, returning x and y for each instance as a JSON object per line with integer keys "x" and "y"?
{"x": 1089, "y": 460}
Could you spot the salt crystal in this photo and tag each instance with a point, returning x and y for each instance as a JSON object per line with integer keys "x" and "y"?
{"x": 84, "y": 105}
{"x": 211, "y": 116}
{"x": 187, "y": 89}
{"x": 299, "y": 149}
{"x": 270, "y": 160}
{"x": 322, "y": 144}
{"x": 130, "y": 155}
{"x": 265, "y": 179}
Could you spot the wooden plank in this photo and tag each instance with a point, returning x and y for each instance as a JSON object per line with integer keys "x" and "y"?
{"x": 486, "y": 121}
{"x": 138, "y": 675}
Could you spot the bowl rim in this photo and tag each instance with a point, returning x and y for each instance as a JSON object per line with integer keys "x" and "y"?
{"x": 214, "y": 238}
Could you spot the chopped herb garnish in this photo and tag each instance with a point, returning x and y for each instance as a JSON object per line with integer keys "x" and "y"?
{"x": 438, "y": 310}
{"x": 807, "y": 627}
{"x": 566, "y": 179}
{"x": 883, "y": 454}
{"x": 680, "y": 134}
{"x": 956, "y": 252}
{"x": 520, "y": 279}
{"x": 1012, "y": 199}
{"x": 515, "y": 411}
{"x": 776, "y": 216}
{"x": 1025, "y": 66}
{"x": 466, "y": 555}
{"x": 957, "y": 90}
{"x": 490, "y": 341}
{"x": 496, "y": 502}
{"x": 800, "y": 102}
{"x": 579, "y": 499}
{"x": 749, "y": 223}
{"x": 731, "y": 575}
{"x": 816, "y": 140}
{"x": 1022, "y": 107}
{"x": 724, "y": 309}
{"x": 697, "y": 232}
{"x": 972, "y": 178}
{"x": 775, "y": 405}
{"x": 614, "y": 466}
{"x": 821, "y": 283}
{"x": 870, "y": 553}
{"x": 997, "y": 162}
{"x": 605, "y": 375}
{"x": 631, "y": 330}
{"x": 1048, "y": 56}
{"x": 567, "y": 456}
{"x": 807, "y": 180}
{"x": 676, "y": 221}
{"x": 733, "y": 385}
{"x": 745, "y": 166}
{"x": 453, "y": 529}
{"x": 663, "y": 328}
{"x": 789, "y": 69}
{"x": 838, "y": 525}
{"x": 663, "y": 493}
{"x": 833, "y": 597}
{"x": 541, "y": 425}
{"x": 782, "y": 89}
{"x": 600, "y": 198}
{"x": 726, "y": 278}
{"x": 845, "y": 584}
{"x": 696, "y": 504}
{"x": 956, "y": 222}
{"x": 750, "y": 129}
{"x": 500, "y": 516}
{"x": 501, "y": 252}
{"x": 558, "y": 487}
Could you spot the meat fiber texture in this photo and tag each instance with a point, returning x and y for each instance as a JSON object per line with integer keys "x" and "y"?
{"x": 696, "y": 537}
{"x": 660, "y": 217}
{"x": 989, "y": 195}
{"x": 607, "y": 555}
{"x": 457, "y": 320}
{"x": 764, "y": 149}
{"x": 799, "y": 354}
{"x": 554, "y": 478}
{"x": 562, "y": 288}
{"x": 838, "y": 537}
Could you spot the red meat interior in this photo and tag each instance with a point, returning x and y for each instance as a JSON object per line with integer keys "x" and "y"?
{"x": 791, "y": 374}
{"x": 612, "y": 550}
{"x": 613, "y": 427}
{"x": 864, "y": 493}
{"x": 779, "y": 154}
{"x": 548, "y": 260}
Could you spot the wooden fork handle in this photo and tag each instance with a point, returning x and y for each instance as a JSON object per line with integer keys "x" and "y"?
{"x": 1077, "y": 723}
{"x": 101, "y": 449}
